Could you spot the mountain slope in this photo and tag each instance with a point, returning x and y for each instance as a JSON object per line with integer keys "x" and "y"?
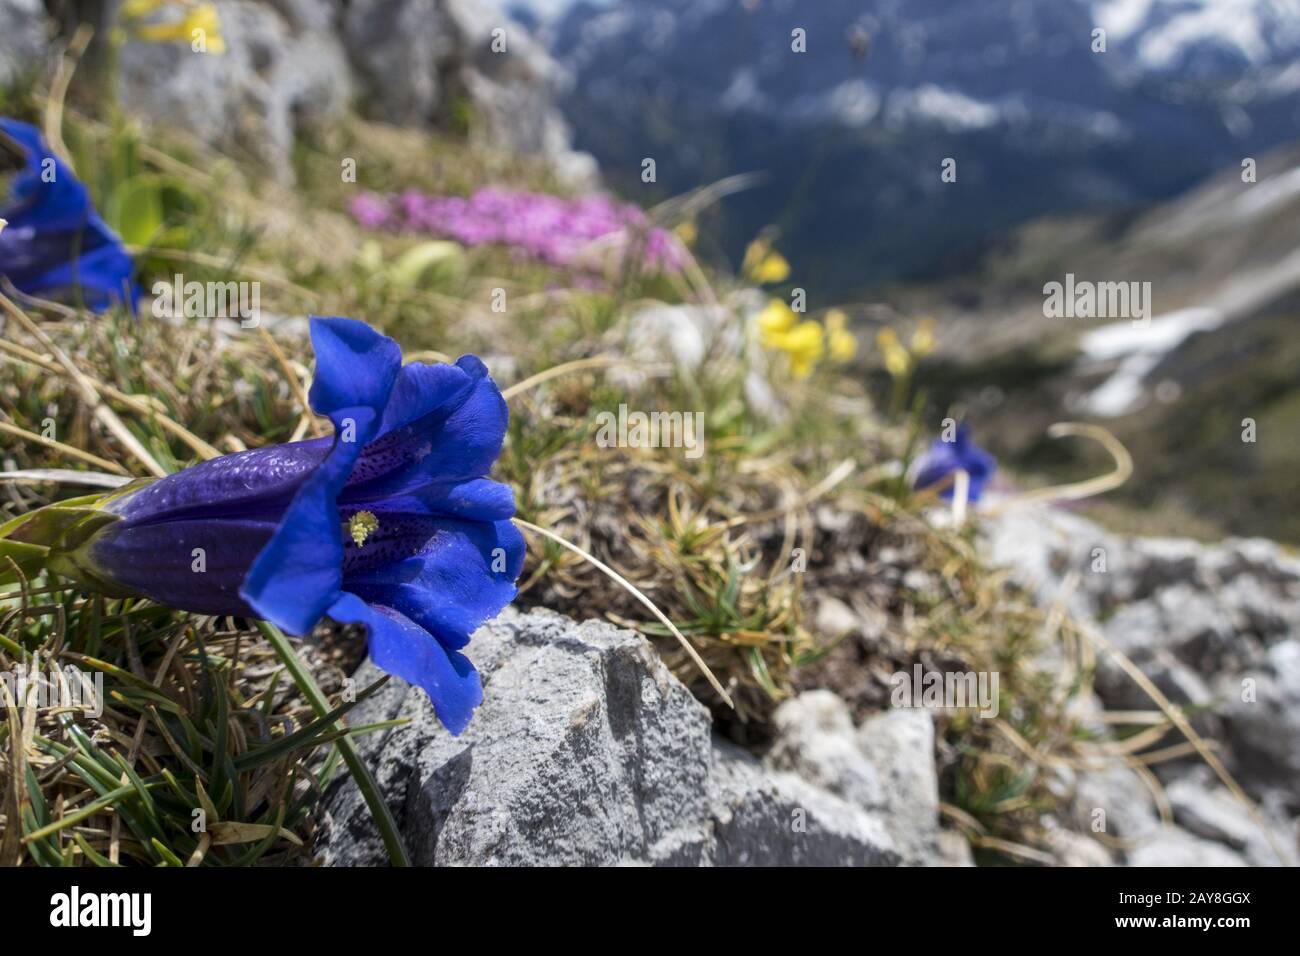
{"x": 1223, "y": 263}
{"x": 853, "y": 132}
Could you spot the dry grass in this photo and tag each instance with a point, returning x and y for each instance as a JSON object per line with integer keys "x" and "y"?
{"x": 193, "y": 716}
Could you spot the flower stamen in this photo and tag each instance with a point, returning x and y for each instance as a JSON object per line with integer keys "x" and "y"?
{"x": 361, "y": 526}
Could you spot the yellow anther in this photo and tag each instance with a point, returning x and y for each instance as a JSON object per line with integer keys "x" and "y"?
{"x": 362, "y": 525}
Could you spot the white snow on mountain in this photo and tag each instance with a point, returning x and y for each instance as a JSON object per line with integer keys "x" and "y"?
{"x": 854, "y": 103}
{"x": 1164, "y": 32}
{"x": 1140, "y": 348}
{"x": 743, "y": 93}
{"x": 948, "y": 108}
{"x": 1271, "y": 194}
{"x": 1122, "y": 18}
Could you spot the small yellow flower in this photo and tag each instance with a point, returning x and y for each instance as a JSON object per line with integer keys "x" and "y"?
{"x": 775, "y": 319}
{"x": 763, "y": 264}
{"x": 754, "y": 252}
{"x": 686, "y": 232}
{"x": 135, "y": 9}
{"x": 803, "y": 342}
{"x": 804, "y": 346}
{"x": 772, "y": 269}
{"x": 898, "y": 361}
{"x": 841, "y": 343}
{"x": 923, "y": 339}
{"x": 200, "y": 22}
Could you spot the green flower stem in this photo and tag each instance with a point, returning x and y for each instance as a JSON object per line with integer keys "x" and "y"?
{"x": 347, "y": 747}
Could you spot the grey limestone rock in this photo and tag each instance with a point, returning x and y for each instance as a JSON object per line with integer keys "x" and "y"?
{"x": 586, "y": 751}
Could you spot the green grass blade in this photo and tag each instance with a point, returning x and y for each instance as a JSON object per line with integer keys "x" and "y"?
{"x": 347, "y": 747}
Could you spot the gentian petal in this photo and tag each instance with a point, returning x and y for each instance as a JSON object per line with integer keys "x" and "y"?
{"x": 102, "y": 276}
{"x": 936, "y": 464}
{"x": 55, "y": 200}
{"x": 445, "y": 423}
{"x": 299, "y": 574}
{"x": 478, "y": 499}
{"x": 459, "y": 573}
{"x": 422, "y": 391}
{"x": 400, "y": 646}
{"x": 54, "y": 240}
{"x": 944, "y": 458}
{"x": 355, "y": 367}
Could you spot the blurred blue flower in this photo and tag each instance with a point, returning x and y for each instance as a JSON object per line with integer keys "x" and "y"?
{"x": 390, "y": 523}
{"x": 55, "y": 241}
{"x": 944, "y": 458}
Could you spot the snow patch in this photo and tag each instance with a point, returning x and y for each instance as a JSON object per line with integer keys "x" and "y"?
{"x": 954, "y": 111}
{"x": 1140, "y": 348}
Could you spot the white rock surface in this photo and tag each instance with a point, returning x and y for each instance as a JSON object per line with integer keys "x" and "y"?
{"x": 1178, "y": 848}
{"x": 816, "y": 740}
{"x": 900, "y": 743}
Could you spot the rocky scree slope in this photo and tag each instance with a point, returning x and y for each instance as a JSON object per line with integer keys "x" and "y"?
{"x": 1216, "y": 628}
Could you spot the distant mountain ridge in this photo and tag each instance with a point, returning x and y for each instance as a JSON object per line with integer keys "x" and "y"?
{"x": 852, "y": 133}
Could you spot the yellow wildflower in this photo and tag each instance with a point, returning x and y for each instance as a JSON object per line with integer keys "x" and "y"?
{"x": 804, "y": 345}
{"x": 898, "y": 361}
{"x": 923, "y": 339}
{"x": 841, "y": 343}
{"x": 772, "y": 269}
{"x": 135, "y": 9}
{"x": 776, "y": 318}
{"x": 754, "y": 252}
{"x": 200, "y": 24}
{"x": 763, "y": 264}
{"x": 686, "y": 232}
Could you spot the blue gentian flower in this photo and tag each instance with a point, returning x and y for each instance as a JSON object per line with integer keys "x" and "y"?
{"x": 944, "y": 458}
{"x": 390, "y": 523}
{"x": 55, "y": 241}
